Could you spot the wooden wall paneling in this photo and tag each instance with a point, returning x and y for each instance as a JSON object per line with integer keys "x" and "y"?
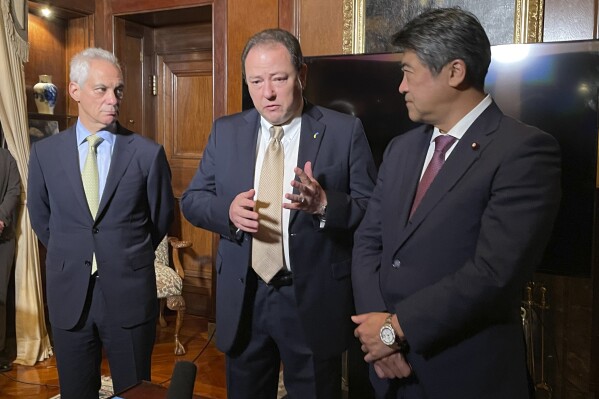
{"x": 289, "y": 16}
{"x": 135, "y": 6}
{"x": 321, "y": 27}
{"x": 79, "y": 35}
{"x": 83, "y": 7}
{"x": 129, "y": 49}
{"x": 244, "y": 18}
{"x": 185, "y": 114}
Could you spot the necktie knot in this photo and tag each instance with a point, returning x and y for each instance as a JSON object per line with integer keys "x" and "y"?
{"x": 276, "y": 132}
{"x": 443, "y": 142}
{"x": 94, "y": 141}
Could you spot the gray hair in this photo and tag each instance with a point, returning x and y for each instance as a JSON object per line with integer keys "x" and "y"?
{"x": 274, "y": 36}
{"x": 440, "y": 35}
{"x": 80, "y": 63}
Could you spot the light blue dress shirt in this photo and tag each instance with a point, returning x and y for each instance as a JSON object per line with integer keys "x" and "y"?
{"x": 103, "y": 151}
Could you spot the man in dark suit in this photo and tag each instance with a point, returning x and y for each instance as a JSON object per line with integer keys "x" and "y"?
{"x": 301, "y": 316}
{"x": 10, "y": 201}
{"x": 101, "y": 286}
{"x": 438, "y": 273}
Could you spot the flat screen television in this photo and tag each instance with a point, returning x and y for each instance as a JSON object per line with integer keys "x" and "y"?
{"x": 553, "y": 86}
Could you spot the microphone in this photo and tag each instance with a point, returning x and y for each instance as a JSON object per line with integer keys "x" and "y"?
{"x": 182, "y": 381}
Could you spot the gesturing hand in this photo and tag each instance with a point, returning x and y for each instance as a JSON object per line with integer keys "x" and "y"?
{"x": 311, "y": 197}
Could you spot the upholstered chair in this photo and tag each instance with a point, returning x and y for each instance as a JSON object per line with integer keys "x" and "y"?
{"x": 169, "y": 284}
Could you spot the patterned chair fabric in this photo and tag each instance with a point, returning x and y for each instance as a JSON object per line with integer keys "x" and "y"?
{"x": 169, "y": 284}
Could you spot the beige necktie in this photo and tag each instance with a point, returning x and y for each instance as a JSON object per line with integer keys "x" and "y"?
{"x": 267, "y": 246}
{"x": 91, "y": 180}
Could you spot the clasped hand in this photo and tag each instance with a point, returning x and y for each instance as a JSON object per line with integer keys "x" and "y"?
{"x": 387, "y": 362}
{"x": 310, "y": 199}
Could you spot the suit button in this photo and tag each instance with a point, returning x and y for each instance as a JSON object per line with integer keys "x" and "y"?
{"x": 88, "y": 263}
{"x": 396, "y": 264}
{"x": 96, "y": 231}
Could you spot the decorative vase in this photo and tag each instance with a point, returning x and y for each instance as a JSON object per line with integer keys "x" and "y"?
{"x": 45, "y": 94}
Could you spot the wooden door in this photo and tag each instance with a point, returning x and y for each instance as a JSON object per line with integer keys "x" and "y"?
{"x": 184, "y": 117}
{"x": 169, "y": 97}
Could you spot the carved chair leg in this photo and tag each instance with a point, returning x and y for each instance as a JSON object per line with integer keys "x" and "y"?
{"x": 179, "y": 350}
{"x": 161, "y": 314}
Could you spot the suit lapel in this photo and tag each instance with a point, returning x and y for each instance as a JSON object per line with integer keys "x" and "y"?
{"x": 69, "y": 158}
{"x": 121, "y": 157}
{"x": 311, "y": 135}
{"x": 464, "y": 155}
{"x": 248, "y": 139}
{"x": 411, "y": 160}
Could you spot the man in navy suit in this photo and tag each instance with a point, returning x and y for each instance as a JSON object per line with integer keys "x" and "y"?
{"x": 101, "y": 285}
{"x": 438, "y": 274}
{"x": 302, "y": 316}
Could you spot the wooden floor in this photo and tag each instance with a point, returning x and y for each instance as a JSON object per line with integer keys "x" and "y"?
{"x": 41, "y": 381}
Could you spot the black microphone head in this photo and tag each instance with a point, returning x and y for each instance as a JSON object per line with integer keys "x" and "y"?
{"x": 182, "y": 381}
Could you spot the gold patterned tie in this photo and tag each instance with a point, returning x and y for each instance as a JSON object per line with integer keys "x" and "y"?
{"x": 91, "y": 181}
{"x": 267, "y": 246}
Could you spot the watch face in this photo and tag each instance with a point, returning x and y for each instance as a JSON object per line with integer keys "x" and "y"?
{"x": 387, "y": 335}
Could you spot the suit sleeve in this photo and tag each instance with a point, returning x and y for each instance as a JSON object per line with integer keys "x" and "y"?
{"x": 367, "y": 251}
{"x": 38, "y": 203}
{"x": 346, "y": 209}
{"x": 160, "y": 197}
{"x": 12, "y": 196}
{"x": 515, "y": 227}
{"x": 201, "y": 203}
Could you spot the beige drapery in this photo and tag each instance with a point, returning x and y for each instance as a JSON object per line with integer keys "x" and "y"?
{"x": 33, "y": 343}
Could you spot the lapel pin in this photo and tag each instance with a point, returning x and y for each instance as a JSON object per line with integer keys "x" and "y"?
{"x": 316, "y": 134}
{"x": 475, "y": 146}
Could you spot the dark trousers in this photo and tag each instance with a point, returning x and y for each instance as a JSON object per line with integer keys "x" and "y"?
{"x": 8, "y": 339}
{"x": 273, "y": 335}
{"x": 79, "y": 351}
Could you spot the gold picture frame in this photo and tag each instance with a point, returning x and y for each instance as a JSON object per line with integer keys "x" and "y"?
{"x": 528, "y": 23}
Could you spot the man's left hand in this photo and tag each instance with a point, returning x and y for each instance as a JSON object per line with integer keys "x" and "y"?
{"x": 368, "y": 331}
{"x": 393, "y": 366}
{"x": 312, "y": 197}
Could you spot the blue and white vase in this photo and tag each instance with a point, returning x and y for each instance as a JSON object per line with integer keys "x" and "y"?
{"x": 45, "y": 94}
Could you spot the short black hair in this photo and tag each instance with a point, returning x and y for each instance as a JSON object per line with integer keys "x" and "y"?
{"x": 440, "y": 35}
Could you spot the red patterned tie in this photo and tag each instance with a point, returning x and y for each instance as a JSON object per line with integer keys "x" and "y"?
{"x": 442, "y": 144}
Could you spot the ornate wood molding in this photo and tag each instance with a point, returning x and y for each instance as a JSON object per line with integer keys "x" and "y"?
{"x": 528, "y": 21}
{"x": 353, "y": 26}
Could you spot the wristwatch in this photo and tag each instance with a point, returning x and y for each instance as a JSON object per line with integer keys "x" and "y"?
{"x": 387, "y": 333}
{"x": 322, "y": 218}
{"x": 390, "y": 338}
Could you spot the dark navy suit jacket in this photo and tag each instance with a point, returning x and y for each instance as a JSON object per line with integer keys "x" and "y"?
{"x": 454, "y": 273}
{"x": 320, "y": 258}
{"x": 135, "y": 212}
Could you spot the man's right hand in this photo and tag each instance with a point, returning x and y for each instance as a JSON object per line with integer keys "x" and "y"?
{"x": 393, "y": 366}
{"x": 241, "y": 212}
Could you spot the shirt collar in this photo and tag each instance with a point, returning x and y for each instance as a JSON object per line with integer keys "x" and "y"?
{"x": 464, "y": 124}
{"x": 82, "y": 134}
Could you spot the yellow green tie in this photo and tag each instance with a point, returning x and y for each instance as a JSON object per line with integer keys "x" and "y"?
{"x": 267, "y": 246}
{"x": 91, "y": 181}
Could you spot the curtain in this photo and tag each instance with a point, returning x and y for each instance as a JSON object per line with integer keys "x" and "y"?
{"x": 33, "y": 343}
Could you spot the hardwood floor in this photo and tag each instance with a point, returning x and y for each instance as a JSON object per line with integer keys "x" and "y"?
{"x": 41, "y": 381}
